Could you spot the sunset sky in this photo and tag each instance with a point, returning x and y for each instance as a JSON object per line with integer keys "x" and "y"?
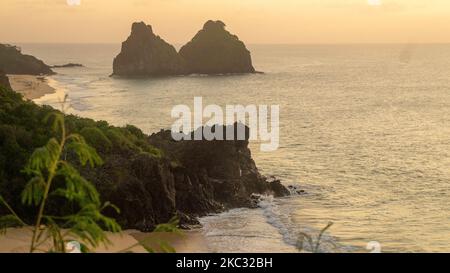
{"x": 254, "y": 21}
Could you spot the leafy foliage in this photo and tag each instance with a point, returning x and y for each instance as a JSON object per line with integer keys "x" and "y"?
{"x": 171, "y": 226}
{"x": 96, "y": 138}
{"x": 53, "y": 180}
{"x": 26, "y": 128}
{"x": 45, "y": 165}
{"x": 7, "y": 221}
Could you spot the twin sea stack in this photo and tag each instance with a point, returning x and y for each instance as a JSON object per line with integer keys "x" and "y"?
{"x": 213, "y": 50}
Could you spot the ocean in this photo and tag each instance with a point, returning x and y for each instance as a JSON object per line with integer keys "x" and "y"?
{"x": 364, "y": 130}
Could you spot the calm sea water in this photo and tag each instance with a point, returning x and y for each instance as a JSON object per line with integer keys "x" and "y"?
{"x": 364, "y": 130}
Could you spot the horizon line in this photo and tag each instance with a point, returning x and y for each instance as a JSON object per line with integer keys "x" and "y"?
{"x": 305, "y": 43}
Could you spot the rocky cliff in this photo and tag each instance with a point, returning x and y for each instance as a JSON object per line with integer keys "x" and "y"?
{"x": 12, "y": 61}
{"x": 145, "y": 54}
{"x": 192, "y": 179}
{"x": 214, "y": 50}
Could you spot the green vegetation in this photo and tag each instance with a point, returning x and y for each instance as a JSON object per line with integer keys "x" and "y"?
{"x": 46, "y": 167}
{"x": 96, "y": 138}
{"x": 313, "y": 245}
{"x": 40, "y": 180}
{"x": 23, "y": 129}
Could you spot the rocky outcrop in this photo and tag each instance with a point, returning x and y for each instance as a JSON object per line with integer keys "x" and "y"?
{"x": 144, "y": 54}
{"x": 12, "y": 61}
{"x": 226, "y": 169}
{"x": 216, "y": 51}
{"x": 4, "y": 81}
{"x": 193, "y": 178}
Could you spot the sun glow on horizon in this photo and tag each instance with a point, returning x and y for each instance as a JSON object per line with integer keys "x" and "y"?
{"x": 73, "y": 2}
{"x": 254, "y": 21}
{"x": 374, "y": 2}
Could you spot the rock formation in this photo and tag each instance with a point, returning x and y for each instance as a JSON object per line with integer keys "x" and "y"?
{"x": 216, "y": 51}
{"x": 144, "y": 54}
{"x": 12, "y": 61}
{"x": 69, "y": 65}
{"x": 212, "y": 51}
{"x": 4, "y": 81}
{"x": 193, "y": 179}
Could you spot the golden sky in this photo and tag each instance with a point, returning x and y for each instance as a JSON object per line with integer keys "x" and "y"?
{"x": 254, "y": 21}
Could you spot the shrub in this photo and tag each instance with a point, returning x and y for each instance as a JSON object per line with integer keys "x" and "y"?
{"x": 96, "y": 139}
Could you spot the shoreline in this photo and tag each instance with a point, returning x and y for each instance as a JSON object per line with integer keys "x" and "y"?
{"x": 30, "y": 86}
{"x": 17, "y": 240}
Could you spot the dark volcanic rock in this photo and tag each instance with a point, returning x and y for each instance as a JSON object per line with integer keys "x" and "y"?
{"x": 4, "y": 81}
{"x": 278, "y": 189}
{"x": 212, "y": 175}
{"x": 216, "y": 51}
{"x": 12, "y": 61}
{"x": 212, "y": 51}
{"x": 194, "y": 178}
{"x": 142, "y": 186}
{"x": 145, "y": 54}
{"x": 69, "y": 65}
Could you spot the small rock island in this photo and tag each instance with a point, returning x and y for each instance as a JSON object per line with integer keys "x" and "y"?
{"x": 212, "y": 51}
{"x": 145, "y": 54}
{"x": 69, "y": 65}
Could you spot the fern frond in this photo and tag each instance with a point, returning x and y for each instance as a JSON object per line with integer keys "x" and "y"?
{"x": 166, "y": 247}
{"x": 171, "y": 226}
{"x": 86, "y": 154}
{"x": 57, "y": 120}
{"x": 77, "y": 188}
{"x": 34, "y": 191}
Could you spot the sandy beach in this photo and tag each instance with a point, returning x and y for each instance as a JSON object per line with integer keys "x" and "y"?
{"x": 31, "y": 87}
{"x": 191, "y": 241}
{"x": 17, "y": 240}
